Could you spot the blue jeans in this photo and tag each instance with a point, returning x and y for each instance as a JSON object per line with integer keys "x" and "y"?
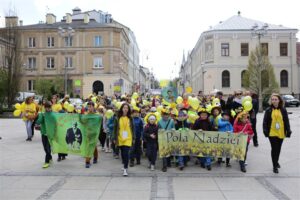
{"x": 206, "y": 161}
{"x": 181, "y": 160}
{"x": 28, "y": 125}
{"x": 125, "y": 155}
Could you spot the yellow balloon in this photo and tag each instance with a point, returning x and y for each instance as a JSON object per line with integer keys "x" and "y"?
{"x": 17, "y": 113}
{"x": 94, "y": 99}
{"x": 70, "y": 108}
{"x": 159, "y": 108}
{"x": 109, "y": 113}
{"x": 18, "y": 106}
{"x": 233, "y": 113}
{"x": 118, "y": 105}
{"x": 179, "y": 100}
{"x": 216, "y": 101}
{"x": 246, "y": 98}
{"x": 66, "y": 104}
{"x": 133, "y": 102}
{"x": 247, "y": 106}
{"x": 208, "y": 108}
{"x": 114, "y": 102}
{"x": 194, "y": 102}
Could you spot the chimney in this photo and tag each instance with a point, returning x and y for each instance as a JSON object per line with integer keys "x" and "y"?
{"x": 50, "y": 18}
{"x": 86, "y": 18}
{"x": 21, "y": 22}
{"x": 68, "y": 18}
{"x": 11, "y": 21}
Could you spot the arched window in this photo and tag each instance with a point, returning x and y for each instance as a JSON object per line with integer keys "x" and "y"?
{"x": 284, "y": 78}
{"x": 225, "y": 78}
{"x": 244, "y": 77}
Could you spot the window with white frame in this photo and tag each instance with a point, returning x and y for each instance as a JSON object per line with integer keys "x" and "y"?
{"x": 30, "y": 85}
{"x": 225, "y": 49}
{"x": 68, "y": 41}
{"x": 68, "y": 62}
{"x": 50, "y": 42}
{"x": 98, "y": 62}
{"x": 31, "y": 63}
{"x": 98, "y": 41}
{"x": 50, "y": 62}
{"x": 31, "y": 42}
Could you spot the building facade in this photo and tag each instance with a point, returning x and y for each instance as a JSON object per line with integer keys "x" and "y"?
{"x": 90, "y": 50}
{"x": 220, "y": 56}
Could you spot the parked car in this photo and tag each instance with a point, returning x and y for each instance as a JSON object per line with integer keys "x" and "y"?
{"x": 21, "y": 96}
{"x": 289, "y": 100}
{"x": 76, "y": 102}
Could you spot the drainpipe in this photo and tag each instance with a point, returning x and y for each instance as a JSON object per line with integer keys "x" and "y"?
{"x": 291, "y": 58}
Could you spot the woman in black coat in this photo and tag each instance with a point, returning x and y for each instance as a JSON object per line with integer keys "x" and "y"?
{"x": 276, "y": 127}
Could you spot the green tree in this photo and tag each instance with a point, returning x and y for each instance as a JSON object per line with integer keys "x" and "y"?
{"x": 43, "y": 87}
{"x": 259, "y": 66}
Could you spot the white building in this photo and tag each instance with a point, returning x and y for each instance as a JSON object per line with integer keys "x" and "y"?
{"x": 221, "y": 55}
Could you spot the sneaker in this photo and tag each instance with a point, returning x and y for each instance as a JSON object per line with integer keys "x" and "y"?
{"x": 243, "y": 169}
{"x": 228, "y": 165}
{"x": 246, "y": 163}
{"x": 164, "y": 169}
{"x": 208, "y": 167}
{"x": 87, "y": 165}
{"x": 95, "y": 161}
{"x": 275, "y": 170}
{"x": 116, "y": 156}
{"x": 109, "y": 150}
{"x": 125, "y": 172}
{"x": 152, "y": 168}
{"x": 29, "y": 139}
{"x": 255, "y": 144}
{"x": 202, "y": 165}
{"x": 106, "y": 150}
{"x": 278, "y": 166}
{"x": 63, "y": 158}
{"x": 103, "y": 149}
{"x": 181, "y": 168}
{"x": 46, "y": 165}
{"x": 58, "y": 159}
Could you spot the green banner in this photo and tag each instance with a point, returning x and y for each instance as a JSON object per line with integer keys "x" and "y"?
{"x": 202, "y": 143}
{"x": 73, "y": 133}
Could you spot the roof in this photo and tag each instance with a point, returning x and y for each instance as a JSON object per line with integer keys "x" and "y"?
{"x": 76, "y": 24}
{"x": 237, "y": 22}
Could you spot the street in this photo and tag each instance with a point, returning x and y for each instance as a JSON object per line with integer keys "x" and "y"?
{"x": 22, "y": 176}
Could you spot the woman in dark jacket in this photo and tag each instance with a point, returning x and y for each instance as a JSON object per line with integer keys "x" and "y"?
{"x": 276, "y": 127}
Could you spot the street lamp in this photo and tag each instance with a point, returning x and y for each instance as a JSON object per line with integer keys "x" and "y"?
{"x": 66, "y": 34}
{"x": 259, "y": 31}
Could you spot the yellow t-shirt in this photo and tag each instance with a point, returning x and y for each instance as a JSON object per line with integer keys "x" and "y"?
{"x": 56, "y": 107}
{"x": 29, "y": 111}
{"x": 277, "y": 126}
{"x": 124, "y": 134}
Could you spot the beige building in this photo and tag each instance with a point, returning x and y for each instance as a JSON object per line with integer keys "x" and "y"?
{"x": 90, "y": 50}
{"x": 221, "y": 55}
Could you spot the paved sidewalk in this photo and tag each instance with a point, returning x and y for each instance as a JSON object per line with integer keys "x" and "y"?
{"x": 21, "y": 175}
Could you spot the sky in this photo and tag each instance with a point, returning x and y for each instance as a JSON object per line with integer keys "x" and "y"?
{"x": 164, "y": 29}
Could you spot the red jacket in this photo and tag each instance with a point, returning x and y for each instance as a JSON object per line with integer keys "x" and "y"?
{"x": 245, "y": 128}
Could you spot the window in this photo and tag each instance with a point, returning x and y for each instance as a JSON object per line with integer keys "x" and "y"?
{"x": 225, "y": 78}
{"x": 69, "y": 41}
{"x": 30, "y": 85}
{"x": 264, "y": 46}
{"x": 50, "y": 42}
{"x": 244, "y": 79}
{"x": 225, "y": 49}
{"x": 68, "y": 62}
{"x": 50, "y": 62}
{"x": 98, "y": 41}
{"x": 283, "y": 49}
{"x": 31, "y": 63}
{"x": 98, "y": 62}
{"x": 31, "y": 42}
{"x": 284, "y": 79}
{"x": 244, "y": 49}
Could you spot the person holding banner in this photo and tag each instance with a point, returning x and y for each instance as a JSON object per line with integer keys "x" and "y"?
{"x": 91, "y": 110}
{"x": 41, "y": 121}
{"x": 166, "y": 123}
{"x": 276, "y": 127}
{"x": 203, "y": 124}
{"x": 123, "y": 135}
{"x": 243, "y": 125}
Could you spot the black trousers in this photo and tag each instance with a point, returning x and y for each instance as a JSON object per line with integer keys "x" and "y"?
{"x": 253, "y": 124}
{"x": 32, "y": 126}
{"x": 136, "y": 150}
{"x": 152, "y": 152}
{"x": 47, "y": 148}
{"x": 125, "y": 155}
{"x": 275, "y": 149}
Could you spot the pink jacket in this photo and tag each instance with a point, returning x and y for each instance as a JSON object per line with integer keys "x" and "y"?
{"x": 245, "y": 128}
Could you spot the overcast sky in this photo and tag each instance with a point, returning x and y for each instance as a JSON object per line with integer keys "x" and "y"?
{"x": 164, "y": 29}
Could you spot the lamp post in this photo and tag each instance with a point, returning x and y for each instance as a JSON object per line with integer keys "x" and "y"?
{"x": 66, "y": 34}
{"x": 259, "y": 31}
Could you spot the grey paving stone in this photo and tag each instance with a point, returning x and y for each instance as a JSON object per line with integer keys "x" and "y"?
{"x": 76, "y": 194}
{"x": 197, "y": 183}
{"x": 125, "y": 195}
{"x": 20, "y": 194}
{"x": 289, "y": 186}
{"x": 86, "y": 183}
{"x": 249, "y": 195}
{"x": 129, "y": 184}
{"x": 201, "y": 195}
{"x": 238, "y": 184}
